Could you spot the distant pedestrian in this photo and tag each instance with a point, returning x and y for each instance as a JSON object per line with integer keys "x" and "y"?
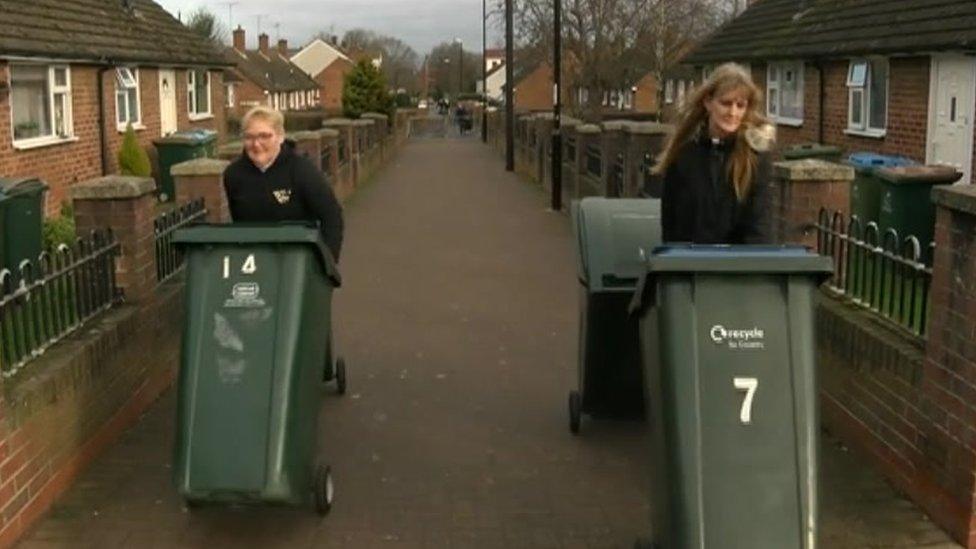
{"x": 269, "y": 182}
{"x": 716, "y": 167}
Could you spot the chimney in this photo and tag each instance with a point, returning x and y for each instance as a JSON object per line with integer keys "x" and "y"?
{"x": 283, "y": 47}
{"x": 263, "y": 45}
{"x": 239, "y": 39}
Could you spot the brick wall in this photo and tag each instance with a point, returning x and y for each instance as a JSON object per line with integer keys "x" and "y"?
{"x": 64, "y": 164}
{"x": 534, "y": 92}
{"x": 330, "y": 81}
{"x": 645, "y": 100}
{"x": 248, "y": 95}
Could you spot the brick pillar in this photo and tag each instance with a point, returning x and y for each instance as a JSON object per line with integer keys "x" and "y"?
{"x": 380, "y": 132}
{"x": 544, "y": 124}
{"x": 643, "y": 139}
{"x": 230, "y": 151}
{"x": 567, "y": 130}
{"x": 364, "y": 155}
{"x": 203, "y": 178}
{"x": 344, "y": 127}
{"x": 586, "y": 134}
{"x": 949, "y": 377}
{"x": 612, "y": 144}
{"x": 127, "y": 206}
{"x": 308, "y": 144}
{"x": 797, "y": 191}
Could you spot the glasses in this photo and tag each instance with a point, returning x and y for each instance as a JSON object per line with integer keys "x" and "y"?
{"x": 263, "y": 137}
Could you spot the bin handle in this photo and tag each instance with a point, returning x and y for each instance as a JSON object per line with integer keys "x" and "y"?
{"x": 645, "y": 295}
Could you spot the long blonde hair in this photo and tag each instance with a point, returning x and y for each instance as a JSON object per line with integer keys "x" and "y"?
{"x": 694, "y": 118}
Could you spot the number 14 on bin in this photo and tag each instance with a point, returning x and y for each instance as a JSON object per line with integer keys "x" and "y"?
{"x": 749, "y": 385}
{"x": 249, "y": 266}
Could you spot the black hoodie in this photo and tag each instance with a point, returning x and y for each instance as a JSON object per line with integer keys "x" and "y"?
{"x": 699, "y": 204}
{"x": 291, "y": 189}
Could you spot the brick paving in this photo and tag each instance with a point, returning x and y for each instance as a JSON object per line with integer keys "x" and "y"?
{"x": 458, "y": 322}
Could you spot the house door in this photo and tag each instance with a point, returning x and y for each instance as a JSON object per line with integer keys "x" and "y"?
{"x": 167, "y": 101}
{"x": 951, "y": 113}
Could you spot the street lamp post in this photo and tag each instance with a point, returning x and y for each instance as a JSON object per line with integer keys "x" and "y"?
{"x": 557, "y": 143}
{"x": 484, "y": 71}
{"x": 509, "y": 90}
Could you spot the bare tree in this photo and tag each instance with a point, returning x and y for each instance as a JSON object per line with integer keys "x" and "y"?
{"x": 205, "y": 24}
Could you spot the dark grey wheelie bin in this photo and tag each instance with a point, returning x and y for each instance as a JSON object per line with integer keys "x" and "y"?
{"x": 733, "y": 395}
{"x": 258, "y": 321}
{"x": 612, "y": 237}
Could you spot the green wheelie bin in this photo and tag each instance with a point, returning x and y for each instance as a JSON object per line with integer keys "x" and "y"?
{"x": 257, "y": 333}
{"x": 906, "y": 203}
{"x": 866, "y": 189}
{"x": 21, "y": 221}
{"x": 180, "y": 147}
{"x": 727, "y": 336}
{"x": 612, "y": 237}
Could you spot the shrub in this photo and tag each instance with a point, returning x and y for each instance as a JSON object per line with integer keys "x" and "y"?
{"x": 61, "y": 229}
{"x": 133, "y": 159}
{"x": 364, "y": 90}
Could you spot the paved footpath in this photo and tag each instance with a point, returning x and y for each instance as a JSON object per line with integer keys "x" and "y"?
{"x": 458, "y": 321}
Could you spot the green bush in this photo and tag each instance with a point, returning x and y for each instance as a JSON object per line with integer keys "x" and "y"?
{"x": 404, "y": 101}
{"x": 364, "y": 90}
{"x": 133, "y": 159}
{"x": 61, "y": 229}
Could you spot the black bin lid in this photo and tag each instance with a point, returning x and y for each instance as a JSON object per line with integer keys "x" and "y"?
{"x": 12, "y": 186}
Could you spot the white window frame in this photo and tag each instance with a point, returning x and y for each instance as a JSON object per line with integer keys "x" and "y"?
{"x": 679, "y": 96}
{"x": 669, "y": 91}
{"x": 192, "y": 103}
{"x": 775, "y": 73}
{"x": 127, "y": 79}
{"x": 861, "y": 94}
{"x": 229, "y": 94}
{"x": 54, "y": 91}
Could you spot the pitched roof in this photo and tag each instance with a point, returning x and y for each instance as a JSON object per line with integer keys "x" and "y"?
{"x": 495, "y": 52}
{"x": 100, "y": 30}
{"x": 496, "y": 68}
{"x": 782, "y": 29}
{"x": 274, "y": 73}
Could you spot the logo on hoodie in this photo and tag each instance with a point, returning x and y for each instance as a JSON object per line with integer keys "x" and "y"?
{"x": 283, "y": 196}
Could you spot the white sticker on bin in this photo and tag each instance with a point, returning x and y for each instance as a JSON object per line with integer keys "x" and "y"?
{"x": 245, "y": 295}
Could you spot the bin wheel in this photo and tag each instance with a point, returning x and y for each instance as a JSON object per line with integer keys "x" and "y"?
{"x": 575, "y": 409}
{"x": 340, "y": 375}
{"x": 323, "y": 489}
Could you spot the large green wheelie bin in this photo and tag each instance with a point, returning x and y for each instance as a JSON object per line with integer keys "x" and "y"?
{"x": 866, "y": 189}
{"x": 21, "y": 221}
{"x": 906, "y": 203}
{"x": 612, "y": 237}
{"x": 731, "y": 381}
{"x": 257, "y": 333}
{"x": 181, "y": 147}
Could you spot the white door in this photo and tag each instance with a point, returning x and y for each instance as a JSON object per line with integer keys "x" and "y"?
{"x": 167, "y": 101}
{"x": 951, "y": 113}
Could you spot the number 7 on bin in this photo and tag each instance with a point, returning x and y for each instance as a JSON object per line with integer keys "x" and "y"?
{"x": 749, "y": 385}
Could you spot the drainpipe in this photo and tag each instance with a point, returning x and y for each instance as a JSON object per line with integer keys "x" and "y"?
{"x": 818, "y": 63}
{"x": 102, "y": 137}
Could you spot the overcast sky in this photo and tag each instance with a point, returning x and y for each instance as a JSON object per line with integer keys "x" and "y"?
{"x": 420, "y": 23}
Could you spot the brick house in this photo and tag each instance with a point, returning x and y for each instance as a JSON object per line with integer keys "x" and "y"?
{"x": 494, "y": 58}
{"x": 267, "y": 76}
{"x": 889, "y": 77}
{"x": 328, "y": 66}
{"x": 495, "y": 78}
{"x": 679, "y": 82}
{"x": 533, "y": 87}
{"x": 72, "y": 77}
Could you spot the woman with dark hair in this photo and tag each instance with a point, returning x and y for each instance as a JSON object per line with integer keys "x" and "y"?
{"x": 716, "y": 166}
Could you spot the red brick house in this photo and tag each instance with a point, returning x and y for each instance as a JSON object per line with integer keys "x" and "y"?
{"x": 267, "y": 76}
{"x": 889, "y": 77}
{"x": 679, "y": 82}
{"x": 327, "y": 65}
{"x": 72, "y": 77}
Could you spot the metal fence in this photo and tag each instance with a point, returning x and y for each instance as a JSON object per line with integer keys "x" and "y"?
{"x": 594, "y": 160}
{"x": 169, "y": 259}
{"x": 51, "y": 298}
{"x": 880, "y": 272}
{"x": 343, "y": 153}
{"x": 569, "y": 152}
{"x": 652, "y": 186}
{"x": 326, "y": 158}
{"x": 616, "y": 186}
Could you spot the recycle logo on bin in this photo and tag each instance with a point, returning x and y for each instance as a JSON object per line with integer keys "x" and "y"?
{"x": 718, "y": 333}
{"x": 751, "y": 338}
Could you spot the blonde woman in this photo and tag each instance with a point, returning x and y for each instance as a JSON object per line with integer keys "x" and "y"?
{"x": 270, "y": 182}
{"x": 716, "y": 166}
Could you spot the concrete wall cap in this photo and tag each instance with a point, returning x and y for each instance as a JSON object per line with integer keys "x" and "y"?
{"x": 200, "y": 166}
{"x": 588, "y": 129}
{"x": 328, "y": 133}
{"x": 336, "y": 122}
{"x": 363, "y": 123}
{"x": 960, "y": 198}
{"x": 303, "y": 136}
{"x": 113, "y": 187}
{"x": 615, "y": 125}
{"x": 233, "y": 146}
{"x": 648, "y": 128}
{"x": 811, "y": 169}
{"x": 375, "y": 116}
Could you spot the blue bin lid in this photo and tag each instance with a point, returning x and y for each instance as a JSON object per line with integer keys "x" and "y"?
{"x": 873, "y": 160}
{"x": 733, "y": 259}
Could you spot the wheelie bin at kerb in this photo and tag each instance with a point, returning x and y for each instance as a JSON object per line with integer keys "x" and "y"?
{"x": 733, "y": 396}
{"x": 181, "y": 147}
{"x": 21, "y": 222}
{"x": 258, "y": 302}
{"x": 906, "y": 203}
{"x": 866, "y": 189}
{"x": 611, "y": 237}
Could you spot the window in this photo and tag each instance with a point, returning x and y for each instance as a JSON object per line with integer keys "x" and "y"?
{"x": 41, "y": 100}
{"x": 784, "y": 85}
{"x": 669, "y": 91}
{"x": 127, "y": 97}
{"x": 867, "y": 83}
{"x": 229, "y": 95}
{"x": 681, "y": 92}
{"x": 198, "y": 93}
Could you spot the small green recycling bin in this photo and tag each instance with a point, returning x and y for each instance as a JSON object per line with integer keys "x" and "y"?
{"x": 819, "y": 151}
{"x": 256, "y": 337}
{"x": 732, "y": 392}
{"x": 612, "y": 237}
{"x": 21, "y": 221}
{"x": 180, "y": 147}
{"x": 906, "y": 203}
